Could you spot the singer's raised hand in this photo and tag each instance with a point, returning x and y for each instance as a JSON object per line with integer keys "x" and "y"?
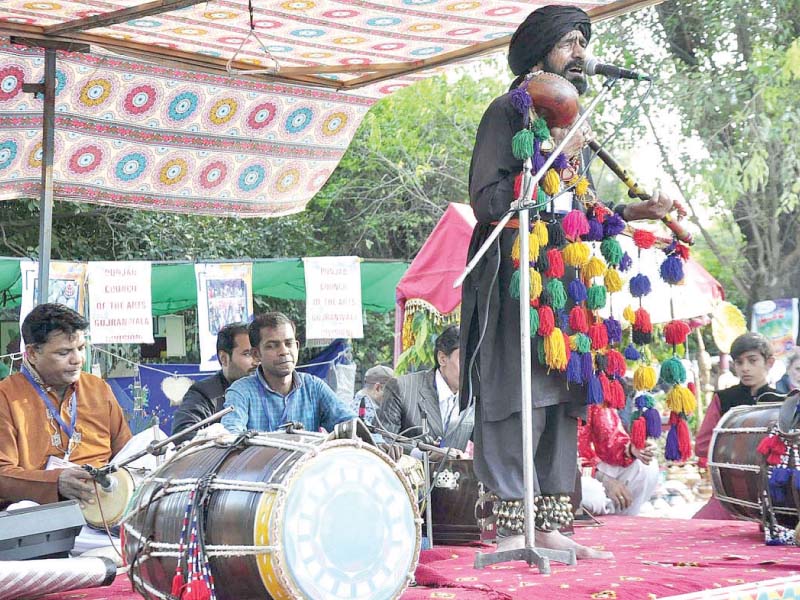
{"x": 75, "y": 483}
{"x": 654, "y": 208}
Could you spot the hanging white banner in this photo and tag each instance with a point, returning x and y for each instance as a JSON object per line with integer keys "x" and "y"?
{"x": 224, "y": 296}
{"x": 120, "y": 305}
{"x": 333, "y": 297}
{"x": 66, "y": 285}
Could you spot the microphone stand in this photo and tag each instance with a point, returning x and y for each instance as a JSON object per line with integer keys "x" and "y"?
{"x": 530, "y": 554}
{"x": 426, "y": 465}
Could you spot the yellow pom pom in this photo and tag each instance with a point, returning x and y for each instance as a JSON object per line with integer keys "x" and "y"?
{"x": 576, "y": 254}
{"x": 680, "y": 399}
{"x": 533, "y": 247}
{"x": 594, "y": 268}
{"x": 573, "y": 343}
{"x": 540, "y": 231}
{"x": 628, "y": 314}
{"x": 554, "y": 351}
{"x": 612, "y": 281}
{"x": 536, "y": 284}
{"x": 644, "y": 378}
{"x": 582, "y": 186}
{"x": 515, "y": 250}
{"x": 551, "y": 183}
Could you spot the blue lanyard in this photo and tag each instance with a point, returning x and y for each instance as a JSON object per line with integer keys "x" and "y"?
{"x": 68, "y": 429}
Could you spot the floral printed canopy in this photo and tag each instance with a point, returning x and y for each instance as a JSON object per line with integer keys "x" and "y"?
{"x": 181, "y": 106}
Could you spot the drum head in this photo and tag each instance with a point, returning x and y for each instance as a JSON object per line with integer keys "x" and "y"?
{"x": 348, "y": 526}
{"x": 109, "y": 507}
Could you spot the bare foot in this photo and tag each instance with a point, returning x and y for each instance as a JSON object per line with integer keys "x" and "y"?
{"x": 510, "y": 542}
{"x": 555, "y": 540}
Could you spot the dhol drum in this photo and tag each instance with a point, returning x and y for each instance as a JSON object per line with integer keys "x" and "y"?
{"x": 278, "y": 516}
{"x": 738, "y": 471}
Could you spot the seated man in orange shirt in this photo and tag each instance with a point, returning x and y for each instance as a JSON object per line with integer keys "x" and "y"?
{"x": 52, "y": 412}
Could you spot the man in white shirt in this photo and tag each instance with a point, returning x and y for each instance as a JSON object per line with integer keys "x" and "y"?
{"x": 431, "y": 393}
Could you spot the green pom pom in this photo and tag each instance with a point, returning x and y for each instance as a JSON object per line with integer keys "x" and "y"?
{"x": 540, "y": 351}
{"x": 611, "y": 251}
{"x": 522, "y": 144}
{"x": 513, "y": 287}
{"x": 540, "y": 129}
{"x": 534, "y": 321}
{"x": 558, "y": 296}
{"x": 673, "y": 371}
{"x": 583, "y": 343}
{"x": 596, "y": 297}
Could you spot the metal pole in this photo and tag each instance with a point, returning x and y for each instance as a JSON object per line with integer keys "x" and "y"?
{"x": 426, "y": 463}
{"x": 46, "y": 195}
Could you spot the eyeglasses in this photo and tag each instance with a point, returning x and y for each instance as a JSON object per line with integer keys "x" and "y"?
{"x": 569, "y": 42}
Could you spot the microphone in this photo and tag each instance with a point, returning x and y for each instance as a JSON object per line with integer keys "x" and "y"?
{"x": 594, "y": 67}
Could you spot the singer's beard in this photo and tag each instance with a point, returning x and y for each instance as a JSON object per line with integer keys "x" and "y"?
{"x": 579, "y": 81}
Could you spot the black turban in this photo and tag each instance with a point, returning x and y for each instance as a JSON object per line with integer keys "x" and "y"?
{"x": 537, "y": 34}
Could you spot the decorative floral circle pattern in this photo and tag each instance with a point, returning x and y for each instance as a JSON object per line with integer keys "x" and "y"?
{"x": 95, "y": 92}
{"x": 8, "y": 152}
{"x": 140, "y": 99}
{"x": 11, "y": 78}
{"x": 299, "y": 120}
{"x": 86, "y": 159}
{"x": 262, "y": 115}
{"x": 287, "y": 180}
{"x": 131, "y": 166}
{"x": 35, "y": 156}
{"x": 182, "y": 106}
{"x": 252, "y": 177}
{"x": 223, "y": 111}
{"x": 173, "y": 172}
{"x": 334, "y": 124}
{"x": 213, "y": 174}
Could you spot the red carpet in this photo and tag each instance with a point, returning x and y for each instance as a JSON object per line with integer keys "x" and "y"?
{"x": 655, "y": 558}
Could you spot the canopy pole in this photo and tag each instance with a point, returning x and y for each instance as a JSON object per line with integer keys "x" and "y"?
{"x": 46, "y": 195}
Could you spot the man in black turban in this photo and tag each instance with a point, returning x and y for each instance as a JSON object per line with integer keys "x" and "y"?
{"x": 553, "y": 39}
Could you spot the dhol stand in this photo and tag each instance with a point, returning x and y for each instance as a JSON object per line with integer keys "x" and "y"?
{"x": 541, "y": 557}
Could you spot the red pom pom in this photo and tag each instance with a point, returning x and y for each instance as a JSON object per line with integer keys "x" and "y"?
{"x": 692, "y": 387}
{"x": 639, "y": 432}
{"x": 643, "y": 239}
{"x": 518, "y": 186}
{"x": 567, "y": 350}
{"x": 546, "y": 321}
{"x": 577, "y": 319}
{"x": 601, "y": 211}
{"x": 535, "y": 302}
{"x": 615, "y": 364}
{"x": 605, "y": 384}
{"x": 684, "y": 440}
{"x": 642, "y": 322}
{"x": 616, "y": 395}
{"x": 556, "y": 264}
{"x": 177, "y": 584}
{"x": 676, "y": 332}
{"x": 599, "y": 336}
{"x": 682, "y": 251}
{"x": 766, "y": 444}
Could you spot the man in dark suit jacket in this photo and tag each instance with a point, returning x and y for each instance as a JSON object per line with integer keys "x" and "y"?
{"x": 207, "y": 396}
{"x": 436, "y": 393}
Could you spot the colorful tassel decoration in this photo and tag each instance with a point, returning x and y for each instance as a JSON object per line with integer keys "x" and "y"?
{"x": 684, "y": 440}
{"x": 555, "y": 351}
{"x": 672, "y": 371}
{"x": 598, "y": 335}
{"x": 595, "y": 233}
{"x": 639, "y": 432}
{"x": 517, "y": 186}
{"x": 594, "y": 268}
{"x": 596, "y": 297}
{"x": 639, "y": 285}
{"x": 614, "y": 330}
{"x": 557, "y": 294}
{"x": 575, "y": 224}
{"x": 587, "y": 366}
{"x": 582, "y": 343}
{"x": 521, "y": 100}
{"x": 671, "y": 449}
{"x": 576, "y": 254}
{"x": 551, "y": 184}
{"x": 577, "y": 319}
{"x": 535, "y": 284}
{"x": 540, "y": 129}
{"x": 555, "y": 234}
{"x": 513, "y": 286}
{"x": 534, "y": 321}
{"x": 653, "y": 418}
{"x": 671, "y": 270}
{"x": 681, "y": 400}
{"x": 675, "y": 332}
{"x": 574, "y": 372}
{"x": 522, "y": 144}
{"x": 582, "y": 187}
{"x": 615, "y": 363}
{"x": 616, "y": 395}
{"x": 555, "y": 264}
{"x": 540, "y": 231}
{"x": 542, "y": 263}
{"x": 625, "y": 263}
{"x": 629, "y": 315}
{"x": 546, "y": 321}
{"x": 533, "y": 248}
{"x": 611, "y": 251}
{"x": 613, "y": 225}
{"x": 642, "y": 321}
{"x": 594, "y": 392}
{"x": 631, "y": 353}
{"x": 644, "y": 378}
{"x": 643, "y": 239}
{"x": 577, "y": 291}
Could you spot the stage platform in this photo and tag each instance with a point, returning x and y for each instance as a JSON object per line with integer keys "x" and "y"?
{"x": 654, "y": 558}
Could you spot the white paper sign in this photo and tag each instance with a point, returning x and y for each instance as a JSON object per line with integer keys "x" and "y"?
{"x": 224, "y": 296}
{"x": 120, "y": 306}
{"x": 66, "y": 285}
{"x": 333, "y": 297}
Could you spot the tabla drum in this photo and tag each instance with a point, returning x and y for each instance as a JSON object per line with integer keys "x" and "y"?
{"x": 110, "y": 505}
{"x": 738, "y": 471}
{"x": 278, "y": 516}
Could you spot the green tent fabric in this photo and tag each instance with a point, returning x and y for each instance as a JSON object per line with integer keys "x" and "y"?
{"x": 174, "y": 288}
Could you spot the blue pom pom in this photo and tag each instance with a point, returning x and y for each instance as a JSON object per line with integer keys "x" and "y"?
{"x": 587, "y": 366}
{"x": 595, "y": 231}
{"x": 639, "y": 285}
{"x": 594, "y": 395}
{"x": 777, "y": 492}
{"x": 672, "y": 270}
{"x": 613, "y": 225}
{"x": 538, "y": 158}
{"x": 671, "y": 449}
{"x": 614, "y": 330}
{"x": 631, "y": 353}
{"x": 574, "y": 374}
{"x": 577, "y": 291}
{"x": 563, "y": 320}
{"x": 652, "y": 419}
{"x": 625, "y": 263}
{"x": 520, "y": 100}
{"x": 643, "y": 402}
{"x": 780, "y": 476}
{"x": 561, "y": 162}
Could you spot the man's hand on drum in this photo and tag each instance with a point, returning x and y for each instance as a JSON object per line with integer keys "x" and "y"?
{"x": 393, "y": 450}
{"x": 618, "y": 492}
{"x": 75, "y": 483}
{"x": 646, "y": 454}
{"x": 654, "y": 208}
